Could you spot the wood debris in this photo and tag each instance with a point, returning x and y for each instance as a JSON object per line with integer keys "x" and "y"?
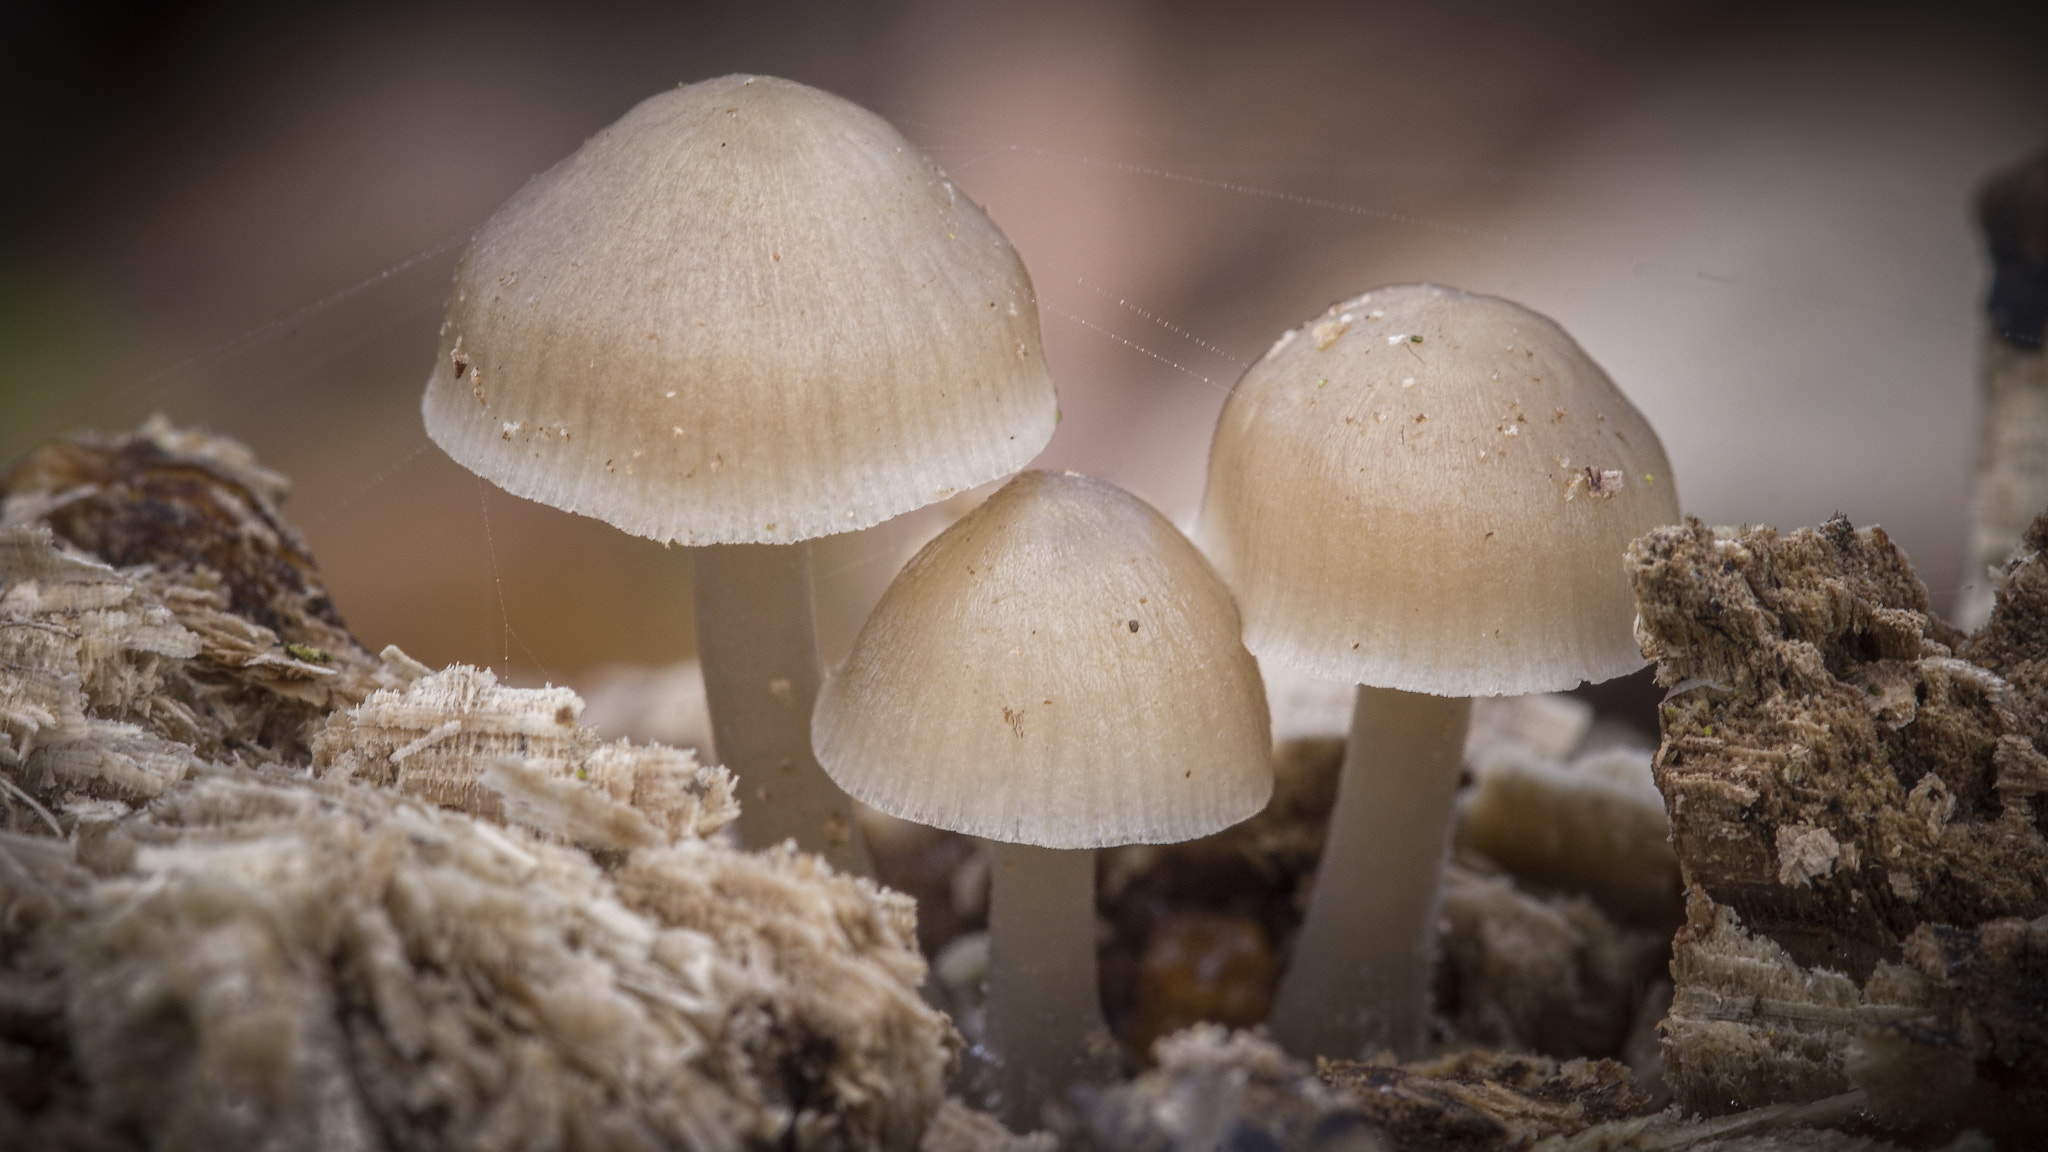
{"x": 260, "y": 888}
{"x": 1855, "y": 795}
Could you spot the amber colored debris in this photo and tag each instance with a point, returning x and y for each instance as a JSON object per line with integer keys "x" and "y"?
{"x": 1201, "y": 966}
{"x": 1854, "y": 792}
{"x": 1198, "y": 924}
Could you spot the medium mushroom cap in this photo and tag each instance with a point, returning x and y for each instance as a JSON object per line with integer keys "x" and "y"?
{"x": 747, "y": 312}
{"x": 1429, "y": 490}
{"x": 1060, "y": 668}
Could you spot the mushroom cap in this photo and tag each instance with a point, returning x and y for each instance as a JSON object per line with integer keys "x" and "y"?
{"x": 1429, "y": 490}
{"x": 1062, "y": 668}
{"x": 747, "y": 312}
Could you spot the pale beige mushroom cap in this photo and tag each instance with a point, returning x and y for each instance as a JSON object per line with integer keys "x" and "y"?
{"x": 747, "y": 312}
{"x": 1444, "y": 514}
{"x": 1060, "y": 668}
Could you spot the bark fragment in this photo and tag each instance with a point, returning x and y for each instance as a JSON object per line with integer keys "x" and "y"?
{"x": 1852, "y": 784}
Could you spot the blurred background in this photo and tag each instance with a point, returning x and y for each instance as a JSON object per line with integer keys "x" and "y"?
{"x": 1756, "y": 217}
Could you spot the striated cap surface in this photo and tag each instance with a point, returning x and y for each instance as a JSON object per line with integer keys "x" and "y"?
{"x": 1429, "y": 490}
{"x": 1060, "y": 668}
{"x": 747, "y": 312}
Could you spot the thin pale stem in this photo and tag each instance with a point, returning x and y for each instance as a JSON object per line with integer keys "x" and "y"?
{"x": 760, "y": 656}
{"x": 1359, "y": 980}
{"x": 1044, "y": 1005}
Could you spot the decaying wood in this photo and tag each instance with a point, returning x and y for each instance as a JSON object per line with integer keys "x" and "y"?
{"x": 1854, "y": 790}
{"x": 263, "y": 888}
{"x": 260, "y": 888}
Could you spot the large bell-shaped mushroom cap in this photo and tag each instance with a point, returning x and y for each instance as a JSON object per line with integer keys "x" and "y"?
{"x": 1062, "y": 668}
{"x": 1429, "y": 490}
{"x": 747, "y": 312}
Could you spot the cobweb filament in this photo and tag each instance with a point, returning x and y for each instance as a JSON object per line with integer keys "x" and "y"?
{"x": 498, "y": 583}
{"x": 1170, "y": 326}
{"x": 373, "y": 483}
{"x": 1046, "y": 306}
{"x": 234, "y": 346}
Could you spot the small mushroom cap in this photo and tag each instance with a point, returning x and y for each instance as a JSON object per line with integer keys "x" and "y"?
{"x": 1429, "y": 490}
{"x": 747, "y": 312}
{"x": 1059, "y": 668}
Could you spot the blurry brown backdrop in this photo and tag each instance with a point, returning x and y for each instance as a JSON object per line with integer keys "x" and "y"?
{"x": 245, "y": 215}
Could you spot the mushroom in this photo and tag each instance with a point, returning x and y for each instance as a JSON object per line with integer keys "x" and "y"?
{"x": 1428, "y": 494}
{"x": 1059, "y": 671}
{"x": 745, "y": 315}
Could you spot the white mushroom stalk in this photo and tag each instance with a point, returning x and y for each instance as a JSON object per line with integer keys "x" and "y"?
{"x": 1045, "y": 1004}
{"x": 1360, "y": 973}
{"x": 1059, "y": 671}
{"x": 746, "y": 314}
{"x": 1428, "y": 493}
{"x": 758, "y": 646}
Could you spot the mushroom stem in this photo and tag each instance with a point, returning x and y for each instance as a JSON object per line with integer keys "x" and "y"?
{"x": 759, "y": 652}
{"x": 1360, "y": 976}
{"x": 1044, "y": 1005}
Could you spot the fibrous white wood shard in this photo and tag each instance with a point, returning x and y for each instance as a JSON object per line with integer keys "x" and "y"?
{"x": 259, "y": 895}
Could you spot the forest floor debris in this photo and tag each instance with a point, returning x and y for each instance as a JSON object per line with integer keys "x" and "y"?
{"x": 1856, "y": 798}
{"x": 262, "y": 887}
